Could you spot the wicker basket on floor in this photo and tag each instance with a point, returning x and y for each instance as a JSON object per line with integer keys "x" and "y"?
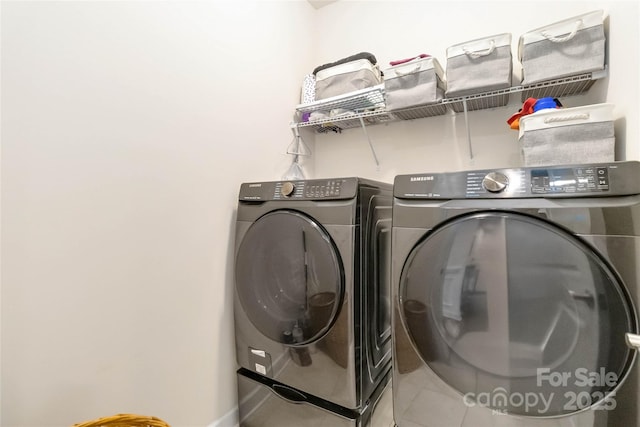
{"x": 124, "y": 420}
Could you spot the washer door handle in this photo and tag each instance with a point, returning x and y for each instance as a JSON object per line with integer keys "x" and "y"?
{"x": 633, "y": 340}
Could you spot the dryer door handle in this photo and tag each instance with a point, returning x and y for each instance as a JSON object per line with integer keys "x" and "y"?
{"x": 633, "y": 340}
{"x": 289, "y": 393}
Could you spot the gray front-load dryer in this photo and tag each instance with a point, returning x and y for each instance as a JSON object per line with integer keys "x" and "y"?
{"x": 514, "y": 295}
{"x": 312, "y": 298}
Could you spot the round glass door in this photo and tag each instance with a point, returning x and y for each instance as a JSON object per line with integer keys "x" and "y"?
{"x": 517, "y": 314}
{"x": 289, "y": 277}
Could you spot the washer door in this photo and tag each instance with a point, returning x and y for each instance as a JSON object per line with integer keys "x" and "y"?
{"x": 289, "y": 278}
{"x": 517, "y": 314}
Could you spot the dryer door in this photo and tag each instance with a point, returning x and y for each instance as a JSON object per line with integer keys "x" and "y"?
{"x": 517, "y": 314}
{"x": 289, "y": 277}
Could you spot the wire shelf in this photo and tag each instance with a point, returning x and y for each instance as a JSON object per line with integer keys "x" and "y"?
{"x": 348, "y": 121}
{"x": 479, "y": 102}
{"x": 367, "y": 106}
{"x": 412, "y": 113}
{"x": 560, "y": 87}
{"x": 358, "y": 101}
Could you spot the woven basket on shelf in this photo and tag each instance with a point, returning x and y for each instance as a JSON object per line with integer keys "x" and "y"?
{"x": 124, "y": 420}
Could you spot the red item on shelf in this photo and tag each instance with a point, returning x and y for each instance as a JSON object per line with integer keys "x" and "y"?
{"x": 402, "y": 61}
{"x": 527, "y": 108}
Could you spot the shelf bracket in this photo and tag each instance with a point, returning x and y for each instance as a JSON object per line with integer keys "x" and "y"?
{"x": 373, "y": 151}
{"x": 466, "y": 124}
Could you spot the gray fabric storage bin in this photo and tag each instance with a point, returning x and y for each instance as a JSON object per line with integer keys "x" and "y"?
{"x": 568, "y": 136}
{"x": 481, "y": 65}
{"x": 345, "y": 78}
{"x": 414, "y": 83}
{"x": 569, "y": 47}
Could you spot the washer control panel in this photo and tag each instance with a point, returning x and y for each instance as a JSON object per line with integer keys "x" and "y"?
{"x": 587, "y": 180}
{"x": 508, "y": 182}
{"x": 316, "y": 189}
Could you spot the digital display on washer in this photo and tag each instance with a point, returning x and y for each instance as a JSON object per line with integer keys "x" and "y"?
{"x": 569, "y": 180}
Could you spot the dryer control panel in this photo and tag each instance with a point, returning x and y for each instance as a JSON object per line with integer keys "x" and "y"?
{"x": 312, "y": 189}
{"x": 588, "y": 180}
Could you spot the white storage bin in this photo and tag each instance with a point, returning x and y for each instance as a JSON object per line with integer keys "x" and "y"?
{"x": 568, "y": 135}
{"x": 481, "y": 65}
{"x": 417, "y": 82}
{"x": 569, "y": 47}
{"x": 345, "y": 78}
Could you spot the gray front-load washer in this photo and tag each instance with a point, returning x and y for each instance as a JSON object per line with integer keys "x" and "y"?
{"x": 312, "y": 300}
{"x": 514, "y": 295}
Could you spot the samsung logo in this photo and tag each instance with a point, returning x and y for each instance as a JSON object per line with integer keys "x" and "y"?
{"x": 255, "y": 185}
{"x": 421, "y": 178}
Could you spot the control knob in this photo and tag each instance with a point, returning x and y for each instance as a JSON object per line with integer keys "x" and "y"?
{"x": 495, "y": 182}
{"x": 287, "y": 189}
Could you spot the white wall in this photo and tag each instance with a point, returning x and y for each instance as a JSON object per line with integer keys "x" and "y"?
{"x": 399, "y": 29}
{"x": 127, "y": 128}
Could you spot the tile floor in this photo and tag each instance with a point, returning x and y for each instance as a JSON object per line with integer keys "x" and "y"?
{"x": 383, "y": 414}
